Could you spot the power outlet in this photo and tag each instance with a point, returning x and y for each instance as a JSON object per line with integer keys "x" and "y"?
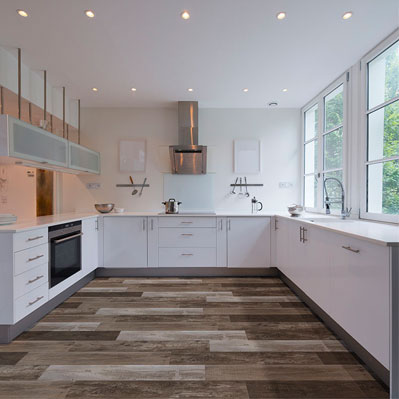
{"x": 93, "y": 186}
{"x": 285, "y": 184}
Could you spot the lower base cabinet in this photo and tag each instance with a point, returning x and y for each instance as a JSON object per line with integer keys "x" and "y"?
{"x": 89, "y": 245}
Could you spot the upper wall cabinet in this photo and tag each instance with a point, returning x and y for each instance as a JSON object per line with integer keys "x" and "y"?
{"x": 84, "y": 159}
{"x": 21, "y": 142}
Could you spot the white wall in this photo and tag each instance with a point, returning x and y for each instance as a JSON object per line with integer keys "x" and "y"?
{"x": 102, "y": 129}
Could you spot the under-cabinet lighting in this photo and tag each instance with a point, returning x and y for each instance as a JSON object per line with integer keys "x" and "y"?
{"x": 185, "y": 15}
{"x": 347, "y": 15}
{"x": 133, "y": 89}
{"x": 245, "y": 90}
{"x": 281, "y": 15}
{"x": 190, "y": 90}
{"x": 285, "y": 90}
{"x": 22, "y": 13}
{"x": 89, "y": 13}
{"x": 94, "y": 89}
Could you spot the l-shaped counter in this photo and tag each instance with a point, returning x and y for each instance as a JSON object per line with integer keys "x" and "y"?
{"x": 348, "y": 271}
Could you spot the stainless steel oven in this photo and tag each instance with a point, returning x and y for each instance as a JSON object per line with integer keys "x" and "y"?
{"x": 65, "y": 249}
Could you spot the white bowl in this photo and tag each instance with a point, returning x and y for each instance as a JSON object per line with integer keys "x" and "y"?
{"x": 295, "y": 210}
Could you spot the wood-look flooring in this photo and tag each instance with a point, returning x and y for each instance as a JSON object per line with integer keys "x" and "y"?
{"x": 182, "y": 338}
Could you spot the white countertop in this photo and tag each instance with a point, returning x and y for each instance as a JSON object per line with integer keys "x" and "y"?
{"x": 379, "y": 233}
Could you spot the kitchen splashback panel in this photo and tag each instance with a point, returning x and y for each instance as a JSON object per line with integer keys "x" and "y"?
{"x": 195, "y": 192}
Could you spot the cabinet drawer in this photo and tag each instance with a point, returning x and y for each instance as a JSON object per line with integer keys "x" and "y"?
{"x": 30, "y": 258}
{"x": 187, "y": 237}
{"x": 31, "y": 301}
{"x": 29, "y": 239}
{"x": 182, "y": 221}
{"x": 187, "y": 257}
{"x": 30, "y": 280}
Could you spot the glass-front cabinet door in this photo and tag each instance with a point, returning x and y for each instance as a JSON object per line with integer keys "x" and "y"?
{"x": 84, "y": 159}
{"x": 35, "y": 144}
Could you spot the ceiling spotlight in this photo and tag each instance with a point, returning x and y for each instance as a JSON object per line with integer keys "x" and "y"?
{"x": 281, "y": 15}
{"x": 185, "y": 15}
{"x": 22, "y": 13}
{"x": 94, "y": 89}
{"x": 133, "y": 89}
{"x": 347, "y": 15}
{"x": 245, "y": 90}
{"x": 89, "y": 13}
{"x": 273, "y": 104}
{"x": 190, "y": 90}
{"x": 285, "y": 90}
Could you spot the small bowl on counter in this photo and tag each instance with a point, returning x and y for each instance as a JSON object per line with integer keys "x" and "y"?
{"x": 295, "y": 210}
{"x": 104, "y": 208}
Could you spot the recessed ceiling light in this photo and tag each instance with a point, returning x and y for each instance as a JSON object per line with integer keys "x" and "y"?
{"x": 285, "y": 90}
{"x": 22, "y": 13}
{"x": 94, "y": 89}
{"x": 281, "y": 15}
{"x": 185, "y": 14}
{"x": 245, "y": 90}
{"x": 133, "y": 89}
{"x": 89, "y": 13}
{"x": 190, "y": 90}
{"x": 273, "y": 104}
{"x": 347, "y": 15}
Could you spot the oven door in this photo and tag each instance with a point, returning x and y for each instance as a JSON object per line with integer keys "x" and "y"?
{"x": 65, "y": 257}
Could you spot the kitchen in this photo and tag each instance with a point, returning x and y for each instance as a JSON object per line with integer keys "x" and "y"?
{"x": 220, "y": 224}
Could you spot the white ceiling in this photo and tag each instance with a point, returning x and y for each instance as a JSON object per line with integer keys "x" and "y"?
{"x": 225, "y": 46}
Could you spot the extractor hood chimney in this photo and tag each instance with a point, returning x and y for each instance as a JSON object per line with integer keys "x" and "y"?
{"x": 188, "y": 157}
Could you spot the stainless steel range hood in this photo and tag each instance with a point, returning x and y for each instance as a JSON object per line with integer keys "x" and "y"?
{"x": 188, "y": 157}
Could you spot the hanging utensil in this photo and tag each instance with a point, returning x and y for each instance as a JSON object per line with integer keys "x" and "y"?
{"x": 134, "y": 192}
{"x": 142, "y": 187}
{"x": 246, "y": 187}
{"x": 233, "y": 191}
{"x": 240, "y": 194}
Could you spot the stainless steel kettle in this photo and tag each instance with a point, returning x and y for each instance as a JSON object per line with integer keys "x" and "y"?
{"x": 171, "y": 206}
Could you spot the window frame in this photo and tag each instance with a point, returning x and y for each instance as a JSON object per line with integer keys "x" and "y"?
{"x": 363, "y": 123}
{"x": 319, "y": 100}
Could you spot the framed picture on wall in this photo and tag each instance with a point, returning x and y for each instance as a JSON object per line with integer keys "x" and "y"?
{"x": 132, "y": 155}
{"x": 247, "y": 157}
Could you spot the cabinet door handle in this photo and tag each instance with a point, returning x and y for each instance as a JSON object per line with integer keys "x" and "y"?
{"x": 152, "y": 224}
{"x": 186, "y": 222}
{"x": 300, "y": 234}
{"x": 187, "y": 254}
{"x": 96, "y": 225}
{"x": 229, "y": 223}
{"x": 36, "y": 300}
{"x": 275, "y": 224}
{"x": 304, "y": 239}
{"x": 34, "y": 238}
{"x": 348, "y": 248}
{"x": 35, "y": 279}
{"x": 36, "y": 257}
{"x": 186, "y": 234}
{"x": 221, "y": 225}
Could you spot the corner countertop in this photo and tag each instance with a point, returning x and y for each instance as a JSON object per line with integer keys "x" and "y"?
{"x": 379, "y": 233}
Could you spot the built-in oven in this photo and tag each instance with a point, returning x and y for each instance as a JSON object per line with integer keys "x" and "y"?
{"x": 65, "y": 249}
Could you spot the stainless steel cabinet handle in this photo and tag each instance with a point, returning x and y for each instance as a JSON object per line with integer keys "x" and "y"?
{"x": 36, "y": 300}
{"x": 229, "y": 224}
{"x": 300, "y": 234}
{"x": 68, "y": 238}
{"x": 35, "y": 238}
{"x": 36, "y": 257}
{"x": 152, "y": 224}
{"x": 221, "y": 225}
{"x": 348, "y": 248}
{"x": 275, "y": 224}
{"x": 35, "y": 279}
{"x": 187, "y": 254}
{"x": 186, "y": 222}
{"x": 304, "y": 239}
{"x": 186, "y": 234}
{"x": 96, "y": 226}
{"x": 143, "y": 224}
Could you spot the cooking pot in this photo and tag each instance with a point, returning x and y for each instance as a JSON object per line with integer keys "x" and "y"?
{"x": 171, "y": 206}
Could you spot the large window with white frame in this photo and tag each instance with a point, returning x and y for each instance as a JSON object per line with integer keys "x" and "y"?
{"x": 380, "y": 129}
{"x": 324, "y": 133}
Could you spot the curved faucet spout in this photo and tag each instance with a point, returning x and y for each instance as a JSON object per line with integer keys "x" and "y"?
{"x": 344, "y": 213}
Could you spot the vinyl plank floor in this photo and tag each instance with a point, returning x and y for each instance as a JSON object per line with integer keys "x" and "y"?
{"x": 158, "y": 338}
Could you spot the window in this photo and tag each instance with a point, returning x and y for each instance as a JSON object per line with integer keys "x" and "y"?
{"x": 382, "y": 135}
{"x": 323, "y": 148}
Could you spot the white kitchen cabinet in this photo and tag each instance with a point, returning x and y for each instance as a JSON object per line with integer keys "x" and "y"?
{"x": 221, "y": 242}
{"x": 89, "y": 245}
{"x": 187, "y": 257}
{"x": 27, "y": 142}
{"x": 84, "y": 159}
{"x": 360, "y": 292}
{"x": 248, "y": 242}
{"x": 125, "y": 241}
{"x": 153, "y": 242}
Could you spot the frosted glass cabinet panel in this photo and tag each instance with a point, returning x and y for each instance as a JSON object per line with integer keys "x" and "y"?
{"x": 32, "y": 143}
{"x": 81, "y": 158}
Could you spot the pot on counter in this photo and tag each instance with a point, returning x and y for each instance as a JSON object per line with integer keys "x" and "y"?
{"x": 171, "y": 206}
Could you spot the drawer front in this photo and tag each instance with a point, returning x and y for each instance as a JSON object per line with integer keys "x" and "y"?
{"x": 29, "y": 239}
{"x": 30, "y": 258}
{"x": 187, "y": 257}
{"x": 31, "y": 301}
{"x": 30, "y": 280}
{"x": 184, "y": 237}
{"x": 182, "y": 221}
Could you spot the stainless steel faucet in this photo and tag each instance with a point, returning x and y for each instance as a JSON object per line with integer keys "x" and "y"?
{"x": 345, "y": 212}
